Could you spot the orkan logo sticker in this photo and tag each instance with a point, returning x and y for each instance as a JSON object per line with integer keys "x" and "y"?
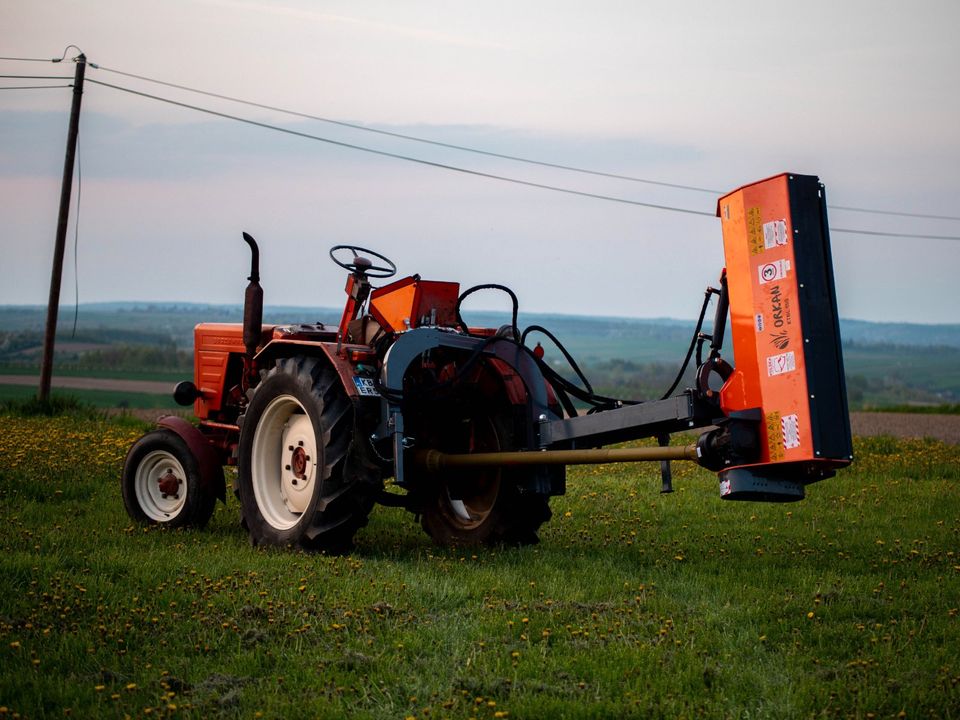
{"x": 773, "y": 271}
{"x": 780, "y": 364}
{"x": 774, "y": 234}
{"x": 791, "y": 431}
{"x": 780, "y": 340}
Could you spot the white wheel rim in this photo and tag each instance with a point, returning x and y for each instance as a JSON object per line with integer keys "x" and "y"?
{"x": 483, "y": 485}
{"x": 157, "y": 505}
{"x": 283, "y": 462}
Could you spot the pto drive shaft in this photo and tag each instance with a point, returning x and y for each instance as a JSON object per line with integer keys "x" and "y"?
{"x": 436, "y": 461}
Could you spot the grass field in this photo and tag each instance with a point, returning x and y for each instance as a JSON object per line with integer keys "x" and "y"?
{"x": 633, "y": 605}
{"x": 172, "y": 377}
{"x": 96, "y": 398}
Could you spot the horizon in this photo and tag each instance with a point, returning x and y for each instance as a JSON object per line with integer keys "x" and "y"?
{"x": 493, "y": 311}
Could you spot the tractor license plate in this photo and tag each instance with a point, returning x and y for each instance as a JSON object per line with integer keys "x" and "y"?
{"x": 365, "y": 386}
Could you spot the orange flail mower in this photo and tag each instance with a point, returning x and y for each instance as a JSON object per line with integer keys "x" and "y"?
{"x": 474, "y": 427}
{"x": 786, "y": 338}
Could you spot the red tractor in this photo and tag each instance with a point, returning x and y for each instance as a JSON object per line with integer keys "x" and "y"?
{"x": 472, "y": 425}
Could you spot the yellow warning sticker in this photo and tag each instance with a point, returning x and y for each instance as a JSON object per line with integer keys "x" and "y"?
{"x": 755, "y": 231}
{"x": 774, "y": 437}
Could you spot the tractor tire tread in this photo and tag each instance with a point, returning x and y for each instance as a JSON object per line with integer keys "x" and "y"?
{"x": 344, "y": 499}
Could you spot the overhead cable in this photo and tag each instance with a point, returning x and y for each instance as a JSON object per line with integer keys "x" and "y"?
{"x": 403, "y": 136}
{"x": 880, "y": 233}
{"x": 478, "y": 151}
{"x": 23, "y": 59}
{"x": 32, "y": 87}
{"x": 407, "y": 158}
{"x": 894, "y": 212}
{"x": 38, "y": 77}
{"x": 477, "y": 173}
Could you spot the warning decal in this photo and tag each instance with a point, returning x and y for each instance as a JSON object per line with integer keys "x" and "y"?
{"x": 777, "y": 270}
{"x": 774, "y": 234}
{"x": 781, "y": 364}
{"x": 790, "y": 424}
{"x": 755, "y": 229}
{"x": 774, "y": 436}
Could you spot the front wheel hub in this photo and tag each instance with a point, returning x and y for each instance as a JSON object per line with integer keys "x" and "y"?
{"x": 169, "y": 484}
{"x": 157, "y": 483}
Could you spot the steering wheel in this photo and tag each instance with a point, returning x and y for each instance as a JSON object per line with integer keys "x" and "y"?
{"x": 362, "y": 265}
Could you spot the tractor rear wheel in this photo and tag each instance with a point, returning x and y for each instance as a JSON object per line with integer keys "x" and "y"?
{"x": 301, "y": 479}
{"x": 472, "y": 506}
{"x": 161, "y": 483}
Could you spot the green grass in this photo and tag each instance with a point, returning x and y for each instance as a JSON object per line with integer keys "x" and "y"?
{"x": 103, "y": 399}
{"x": 918, "y": 409}
{"x": 171, "y": 376}
{"x": 634, "y": 604}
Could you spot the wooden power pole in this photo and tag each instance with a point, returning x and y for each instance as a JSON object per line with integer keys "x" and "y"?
{"x": 53, "y": 305}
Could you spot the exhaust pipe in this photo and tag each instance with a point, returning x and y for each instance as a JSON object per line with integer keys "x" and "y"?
{"x": 252, "y": 308}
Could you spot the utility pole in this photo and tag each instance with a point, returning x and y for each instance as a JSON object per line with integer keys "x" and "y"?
{"x": 53, "y": 305}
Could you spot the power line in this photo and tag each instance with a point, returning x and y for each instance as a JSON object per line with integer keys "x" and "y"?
{"x": 895, "y": 212}
{"x": 477, "y": 173}
{"x": 488, "y": 153}
{"x": 403, "y": 136}
{"x": 33, "y": 87}
{"x": 23, "y": 59}
{"x": 407, "y": 158}
{"x": 38, "y": 77}
{"x": 880, "y": 233}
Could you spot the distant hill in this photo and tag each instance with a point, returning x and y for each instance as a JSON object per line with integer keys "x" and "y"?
{"x": 909, "y": 334}
{"x": 176, "y": 321}
{"x": 886, "y": 363}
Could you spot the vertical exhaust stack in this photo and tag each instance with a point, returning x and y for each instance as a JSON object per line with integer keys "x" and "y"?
{"x": 252, "y": 311}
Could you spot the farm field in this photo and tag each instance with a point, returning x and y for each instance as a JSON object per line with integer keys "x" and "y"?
{"x": 101, "y": 398}
{"x": 634, "y": 604}
{"x": 887, "y": 364}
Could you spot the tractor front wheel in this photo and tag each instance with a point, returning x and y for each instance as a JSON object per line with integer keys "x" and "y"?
{"x": 161, "y": 483}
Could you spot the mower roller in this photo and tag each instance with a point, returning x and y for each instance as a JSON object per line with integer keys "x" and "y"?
{"x": 474, "y": 427}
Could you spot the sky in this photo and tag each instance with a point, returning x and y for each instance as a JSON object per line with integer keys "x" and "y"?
{"x": 705, "y": 94}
